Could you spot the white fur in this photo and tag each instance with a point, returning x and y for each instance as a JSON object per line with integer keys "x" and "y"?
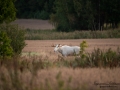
{"x": 67, "y": 50}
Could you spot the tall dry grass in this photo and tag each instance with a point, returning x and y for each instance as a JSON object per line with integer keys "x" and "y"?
{"x": 34, "y": 72}
{"x": 54, "y": 35}
{"x": 60, "y": 79}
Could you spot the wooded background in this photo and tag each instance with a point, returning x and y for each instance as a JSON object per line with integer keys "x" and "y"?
{"x": 70, "y": 15}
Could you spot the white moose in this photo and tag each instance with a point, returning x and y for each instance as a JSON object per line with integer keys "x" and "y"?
{"x": 66, "y": 50}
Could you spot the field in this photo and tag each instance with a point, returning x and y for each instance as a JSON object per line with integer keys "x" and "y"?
{"x": 46, "y": 47}
{"x": 33, "y": 24}
{"x": 84, "y": 79}
{"x": 36, "y": 75}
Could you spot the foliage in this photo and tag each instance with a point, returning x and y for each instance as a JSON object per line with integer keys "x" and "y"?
{"x": 83, "y": 45}
{"x": 81, "y": 61}
{"x": 7, "y": 11}
{"x": 70, "y": 15}
{"x": 44, "y": 15}
{"x": 109, "y": 58}
{"x": 100, "y": 58}
{"x": 17, "y": 36}
{"x": 5, "y": 48}
{"x": 39, "y": 9}
{"x": 64, "y": 18}
{"x": 85, "y": 14}
{"x": 7, "y": 14}
{"x": 54, "y": 35}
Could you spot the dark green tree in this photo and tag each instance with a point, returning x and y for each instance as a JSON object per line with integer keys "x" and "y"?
{"x": 106, "y": 12}
{"x": 7, "y": 14}
{"x": 73, "y": 15}
{"x": 10, "y": 32}
{"x": 110, "y": 12}
{"x": 85, "y": 14}
{"x": 7, "y": 11}
{"x": 64, "y": 16}
{"x": 38, "y": 9}
{"x": 69, "y": 15}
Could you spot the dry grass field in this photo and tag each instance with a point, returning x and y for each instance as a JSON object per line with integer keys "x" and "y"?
{"x": 46, "y": 46}
{"x": 75, "y": 79}
{"x": 62, "y": 78}
{"x": 33, "y": 24}
{"x": 81, "y": 79}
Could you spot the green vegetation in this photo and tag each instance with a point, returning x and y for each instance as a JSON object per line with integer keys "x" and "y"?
{"x": 7, "y": 14}
{"x": 54, "y": 35}
{"x": 7, "y": 11}
{"x": 70, "y": 15}
{"x": 16, "y": 35}
{"x": 11, "y": 37}
{"x": 5, "y": 48}
{"x": 99, "y": 58}
{"x": 39, "y": 9}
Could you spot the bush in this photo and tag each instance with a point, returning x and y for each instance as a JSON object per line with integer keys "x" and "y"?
{"x": 100, "y": 58}
{"x": 5, "y": 48}
{"x": 16, "y": 35}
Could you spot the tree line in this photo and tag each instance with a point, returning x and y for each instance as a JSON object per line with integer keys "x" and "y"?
{"x": 68, "y": 15}
{"x": 38, "y": 9}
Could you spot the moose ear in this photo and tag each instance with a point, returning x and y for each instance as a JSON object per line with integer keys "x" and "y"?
{"x": 59, "y": 45}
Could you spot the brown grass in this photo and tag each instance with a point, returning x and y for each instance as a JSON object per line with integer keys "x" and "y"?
{"x": 79, "y": 78}
{"x": 59, "y": 78}
{"x": 45, "y": 47}
{"x": 75, "y": 79}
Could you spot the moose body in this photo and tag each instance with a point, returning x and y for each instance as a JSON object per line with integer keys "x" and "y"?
{"x": 67, "y": 50}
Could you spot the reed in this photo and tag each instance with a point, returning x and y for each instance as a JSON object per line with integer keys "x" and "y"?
{"x": 54, "y": 35}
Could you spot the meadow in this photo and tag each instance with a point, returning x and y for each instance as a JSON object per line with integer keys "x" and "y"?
{"x": 43, "y": 30}
{"x": 40, "y": 68}
{"x": 48, "y": 71}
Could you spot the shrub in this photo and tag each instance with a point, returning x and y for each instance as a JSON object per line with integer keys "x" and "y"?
{"x": 100, "y": 58}
{"x": 16, "y": 35}
{"x": 5, "y": 48}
